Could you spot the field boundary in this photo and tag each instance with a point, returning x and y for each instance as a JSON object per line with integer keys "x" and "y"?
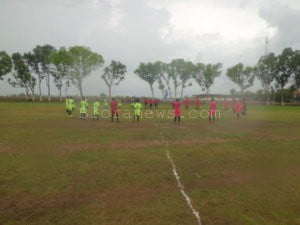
{"x": 179, "y": 184}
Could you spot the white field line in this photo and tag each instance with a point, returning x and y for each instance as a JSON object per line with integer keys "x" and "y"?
{"x": 180, "y": 185}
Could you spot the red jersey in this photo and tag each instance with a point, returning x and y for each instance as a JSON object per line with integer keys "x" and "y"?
{"x": 114, "y": 105}
{"x": 176, "y": 106}
{"x": 212, "y": 108}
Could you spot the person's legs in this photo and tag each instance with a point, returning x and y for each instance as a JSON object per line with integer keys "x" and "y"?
{"x": 117, "y": 115}
{"x": 178, "y": 119}
{"x": 175, "y": 118}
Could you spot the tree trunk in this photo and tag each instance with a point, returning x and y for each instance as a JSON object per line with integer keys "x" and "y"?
{"x": 282, "y": 99}
{"x": 152, "y": 91}
{"x": 109, "y": 92}
{"x": 40, "y": 89}
{"x": 80, "y": 90}
{"x": 26, "y": 93}
{"x": 169, "y": 89}
{"x": 48, "y": 86}
{"x": 181, "y": 95}
{"x": 60, "y": 94}
{"x": 60, "y": 89}
{"x": 175, "y": 90}
{"x": 66, "y": 88}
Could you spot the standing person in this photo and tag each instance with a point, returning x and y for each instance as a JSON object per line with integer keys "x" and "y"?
{"x": 177, "y": 110}
{"x": 233, "y": 105}
{"x": 197, "y": 103}
{"x": 226, "y": 104}
{"x": 83, "y": 109}
{"x": 70, "y": 107}
{"x": 187, "y": 103}
{"x": 238, "y": 108}
{"x": 96, "y": 113}
{"x": 156, "y": 101}
{"x": 67, "y": 105}
{"x": 137, "y": 110}
{"x": 105, "y": 104}
{"x": 212, "y": 110}
{"x": 114, "y": 110}
{"x": 151, "y": 102}
{"x": 145, "y": 102}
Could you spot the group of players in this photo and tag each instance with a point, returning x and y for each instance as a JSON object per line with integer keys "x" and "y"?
{"x": 238, "y": 107}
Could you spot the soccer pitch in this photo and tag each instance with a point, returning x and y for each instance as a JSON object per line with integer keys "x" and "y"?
{"x": 55, "y": 169}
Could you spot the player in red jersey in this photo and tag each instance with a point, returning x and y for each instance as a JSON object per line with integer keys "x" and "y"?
{"x": 197, "y": 103}
{"x": 151, "y": 102}
{"x": 145, "y": 102}
{"x": 177, "y": 110}
{"x": 212, "y": 110}
{"x": 233, "y": 105}
{"x": 114, "y": 110}
{"x": 238, "y": 108}
{"x": 226, "y": 104}
{"x": 187, "y": 103}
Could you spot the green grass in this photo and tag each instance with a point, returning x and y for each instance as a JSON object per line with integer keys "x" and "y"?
{"x": 60, "y": 170}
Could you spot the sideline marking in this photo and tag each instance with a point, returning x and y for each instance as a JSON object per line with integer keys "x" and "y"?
{"x": 180, "y": 185}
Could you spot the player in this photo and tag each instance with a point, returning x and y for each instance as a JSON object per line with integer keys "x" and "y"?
{"x": 67, "y": 105}
{"x": 187, "y": 103}
{"x": 151, "y": 102}
{"x": 137, "y": 110}
{"x": 244, "y": 112}
{"x": 177, "y": 110}
{"x": 212, "y": 111}
{"x": 145, "y": 102}
{"x": 114, "y": 110}
{"x": 238, "y": 108}
{"x": 197, "y": 103}
{"x": 96, "y": 106}
{"x": 225, "y": 104}
{"x": 83, "y": 108}
{"x": 233, "y": 105}
{"x": 156, "y": 101}
{"x": 105, "y": 104}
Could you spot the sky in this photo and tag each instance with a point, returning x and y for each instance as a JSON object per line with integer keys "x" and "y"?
{"x": 134, "y": 31}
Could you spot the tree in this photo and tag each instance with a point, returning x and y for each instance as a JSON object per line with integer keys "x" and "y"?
{"x": 161, "y": 85}
{"x": 284, "y": 69}
{"x": 242, "y": 76}
{"x": 186, "y": 74}
{"x": 62, "y": 66}
{"x": 149, "y": 72}
{"x": 198, "y": 74}
{"x": 205, "y": 75}
{"x": 40, "y": 62}
{"x": 113, "y": 75}
{"x": 296, "y": 65}
{"x": 5, "y": 64}
{"x": 265, "y": 71}
{"x": 22, "y": 75}
{"x": 176, "y": 70}
{"x": 164, "y": 76}
{"x": 84, "y": 61}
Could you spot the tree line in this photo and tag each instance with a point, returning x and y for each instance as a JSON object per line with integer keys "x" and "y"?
{"x": 70, "y": 66}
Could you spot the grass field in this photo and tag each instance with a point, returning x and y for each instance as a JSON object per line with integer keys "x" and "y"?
{"x": 60, "y": 170}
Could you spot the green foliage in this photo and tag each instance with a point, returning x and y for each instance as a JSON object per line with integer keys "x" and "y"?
{"x": 242, "y": 76}
{"x": 62, "y": 62}
{"x": 114, "y": 74}
{"x": 149, "y": 72}
{"x": 22, "y": 76}
{"x": 84, "y": 61}
{"x": 205, "y": 75}
{"x": 5, "y": 64}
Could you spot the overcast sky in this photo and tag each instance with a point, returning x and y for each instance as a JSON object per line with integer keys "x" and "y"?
{"x": 134, "y": 31}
